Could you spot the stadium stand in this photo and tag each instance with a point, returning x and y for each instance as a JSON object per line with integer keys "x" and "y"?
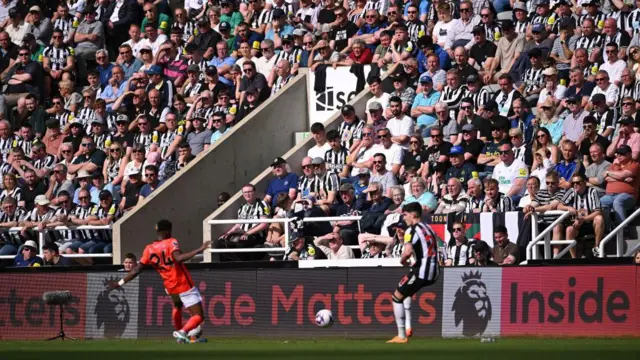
{"x": 118, "y": 112}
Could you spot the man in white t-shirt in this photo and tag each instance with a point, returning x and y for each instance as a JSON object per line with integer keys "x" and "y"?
{"x": 604, "y": 86}
{"x": 153, "y": 39}
{"x": 613, "y": 66}
{"x": 375, "y": 86}
{"x": 320, "y": 137}
{"x": 510, "y": 173}
{"x": 393, "y": 153}
{"x": 400, "y": 125}
{"x": 362, "y": 155}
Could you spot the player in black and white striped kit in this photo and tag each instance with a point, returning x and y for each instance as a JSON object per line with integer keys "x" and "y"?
{"x": 420, "y": 241}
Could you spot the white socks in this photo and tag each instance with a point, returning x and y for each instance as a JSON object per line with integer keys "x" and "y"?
{"x": 398, "y": 311}
{"x": 407, "y": 312}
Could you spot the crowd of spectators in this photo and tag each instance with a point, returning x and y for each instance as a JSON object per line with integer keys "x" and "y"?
{"x": 534, "y": 112}
{"x": 103, "y": 101}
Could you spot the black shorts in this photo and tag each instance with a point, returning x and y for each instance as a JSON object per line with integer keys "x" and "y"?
{"x": 411, "y": 284}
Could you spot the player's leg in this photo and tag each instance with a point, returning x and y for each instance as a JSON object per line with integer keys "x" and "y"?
{"x": 176, "y": 312}
{"x": 407, "y": 316}
{"x": 408, "y": 286}
{"x": 192, "y": 301}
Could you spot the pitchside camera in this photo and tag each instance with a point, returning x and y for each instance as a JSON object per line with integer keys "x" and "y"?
{"x": 59, "y": 298}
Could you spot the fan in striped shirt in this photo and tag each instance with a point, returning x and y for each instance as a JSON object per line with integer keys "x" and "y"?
{"x": 306, "y": 180}
{"x": 280, "y": 76}
{"x": 65, "y": 22}
{"x": 6, "y": 139}
{"x": 459, "y": 250}
{"x": 350, "y": 129}
{"x": 546, "y": 200}
{"x": 630, "y": 87}
{"x": 417, "y": 28}
{"x": 592, "y": 12}
{"x": 260, "y": 18}
{"x": 64, "y": 117}
{"x": 584, "y": 204}
{"x": 187, "y": 26}
{"x": 495, "y": 201}
{"x": 336, "y": 157}
{"x": 533, "y": 80}
{"x": 57, "y": 58}
{"x": 476, "y": 92}
{"x": 11, "y": 216}
{"x": 590, "y": 40}
{"x": 41, "y": 160}
{"x": 453, "y": 92}
{"x": 325, "y": 186}
{"x": 25, "y": 138}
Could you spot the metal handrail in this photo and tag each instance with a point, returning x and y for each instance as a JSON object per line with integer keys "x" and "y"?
{"x": 61, "y": 228}
{"x": 542, "y": 235}
{"x": 617, "y": 232}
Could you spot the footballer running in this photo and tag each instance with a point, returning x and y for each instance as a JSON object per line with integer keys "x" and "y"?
{"x": 165, "y": 257}
{"x": 419, "y": 239}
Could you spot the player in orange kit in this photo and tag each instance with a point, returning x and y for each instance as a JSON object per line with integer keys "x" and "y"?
{"x": 165, "y": 256}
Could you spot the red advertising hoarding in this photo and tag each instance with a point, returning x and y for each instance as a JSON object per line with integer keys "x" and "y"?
{"x": 25, "y": 316}
{"x": 569, "y": 301}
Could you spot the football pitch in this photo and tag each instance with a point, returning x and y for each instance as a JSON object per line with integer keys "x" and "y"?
{"x": 326, "y": 349}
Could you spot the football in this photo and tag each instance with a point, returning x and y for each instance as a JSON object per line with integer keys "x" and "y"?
{"x": 324, "y": 318}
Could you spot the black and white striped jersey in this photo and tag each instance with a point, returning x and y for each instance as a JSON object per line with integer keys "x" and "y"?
{"x": 453, "y": 97}
{"x": 253, "y": 211}
{"x": 16, "y": 194}
{"x": 325, "y": 183}
{"x": 6, "y": 145}
{"x": 598, "y": 19}
{"x": 113, "y": 170}
{"x": 336, "y": 160}
{"x": 425, "y": 249}
{"x": 366, "y": 254}
{"x": 416, "y": 30}
{"x": 286, "y": 7}
{"x": 533, "y": 79}
{"x": 85, "y": 115}
{"x": 459, "y": 254}
{"x": 380, "y": 6}
{"x": 65, "y": 118}
{"x": 473, "y": 204}
{"x": 306, "y": 185}
{"x": 189, "y": 29}
{"x": 479, "y": 98}
{"x": 103, "y": 213}
{"x": 64, "y": 24}
{"x": 540, "y": 19}
{"x": 591, "y": 42}
{"x": 258, "y": 19}
{"x": 622, "y": 20}
{"x": 349, "y": 133}
{"x": 168, "y": 137}
{"x": 632, "y": 90}
{"x": 14, "y": 236}
{"x": 606, "y": 120}
{"x": 521, "y": 26}
{"x": 280, "y": 82}
{"x": 634, "y": 21}
{"x": 57, "y": 56}
{"x": 397, "y": 248}
{"x": 502, "y": 204}
{"x": 194, "y": 89}
{"x": 24, "y": 144}
{"x": 543, "y": 197}
{"x": 589, "y": 201}
{"x": 46, "y": 162}
{"x": 202, "y": 65}
{"x": 102, "y": 141}
{"x": 492, "y": 31}
{"x": 292, "y": 57}
{"x": 432, "y": 14}
{"x": 82, "y": 213}
{"x": 147, "y": 139}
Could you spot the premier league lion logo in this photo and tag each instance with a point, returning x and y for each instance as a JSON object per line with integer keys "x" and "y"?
{"x": 112, "y": 311}
{"x": 472, "y": 306}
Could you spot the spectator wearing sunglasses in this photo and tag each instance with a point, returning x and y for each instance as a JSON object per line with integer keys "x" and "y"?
{"x": 459, "y": 251}
{"x": 591, "y": 136}
{"x": 28, "y": 256}
{"x": 90, "y": 158}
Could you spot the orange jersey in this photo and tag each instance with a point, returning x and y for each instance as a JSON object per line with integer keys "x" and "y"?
{"x": 175, "y": 275}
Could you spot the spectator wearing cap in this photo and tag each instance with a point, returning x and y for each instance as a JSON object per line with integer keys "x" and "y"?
{"x": 36, "y": 49}
{"x": 193, "y": 85}
{"x": 131, "y": 189}
{"x": 406, "y": 93}
{"x": 351, "y": 128}
{"x": 423, "y": 104}
{"x": 16, "y": 27}
{"x": 165, "y": 87}
{"x": 224, "y": 28}
{"x": 532, "y": 82}
{"x": 482, "y": 52}
{"x": 284, "y": 182}
{"x": 521, "y": 17}
{"x": 25, "y": 77}
{"x": 623, "y": 181}
{"x": 604, "y": 86}
{"x": 28, "y": 256}
{"x": 626, "y": 136}
{"x": 604, "y": 116}
{"x": 89, "y": 38}
{"x": 510, "y": 45}
{"x": 361, "y": 184}
{"x": 41, "y": 25}
{"x": 459, "y": 169}
{"x": 325, "y": 185}
{"x": 229, "y": 14}
{"x": 40, "y": 215}
{"x": 471, "y": 145}
{"x": 347, "y": 207}
{"x": 278, "y": 28}
{"x": 477, "y": 93}
{"x": 613, "y": 66}
{"x": 207, "y": 39}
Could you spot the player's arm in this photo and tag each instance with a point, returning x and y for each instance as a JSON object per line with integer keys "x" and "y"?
{"x": 406, "y": 253}
{"x": 135, "y": 271}
{"x": 179, "y": 256}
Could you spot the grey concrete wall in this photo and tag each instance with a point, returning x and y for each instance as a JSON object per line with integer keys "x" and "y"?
{"x": 293, "y": 156}
{"x": 191, "y": 195}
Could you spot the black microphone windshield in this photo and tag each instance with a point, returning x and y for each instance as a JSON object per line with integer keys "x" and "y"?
{"x": 57, "y": 297}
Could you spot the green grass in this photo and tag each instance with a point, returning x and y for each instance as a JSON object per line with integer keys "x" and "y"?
{"x": 329, "y": 349}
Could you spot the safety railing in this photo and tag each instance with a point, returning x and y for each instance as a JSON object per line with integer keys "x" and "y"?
{"x": 286, "y": 221}
{"x": 619, "y": 235}
{"x": 42, "y": 234}
{"x": 532, "y": 247}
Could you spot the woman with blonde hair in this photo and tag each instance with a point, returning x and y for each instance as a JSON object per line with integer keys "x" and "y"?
{"x": 11, "y": 189}
{"x": 634, "y": 60}
{"x": 548, "y": 119}
{"x": 113, "y": 169}
{"x": 543, "y": 141}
